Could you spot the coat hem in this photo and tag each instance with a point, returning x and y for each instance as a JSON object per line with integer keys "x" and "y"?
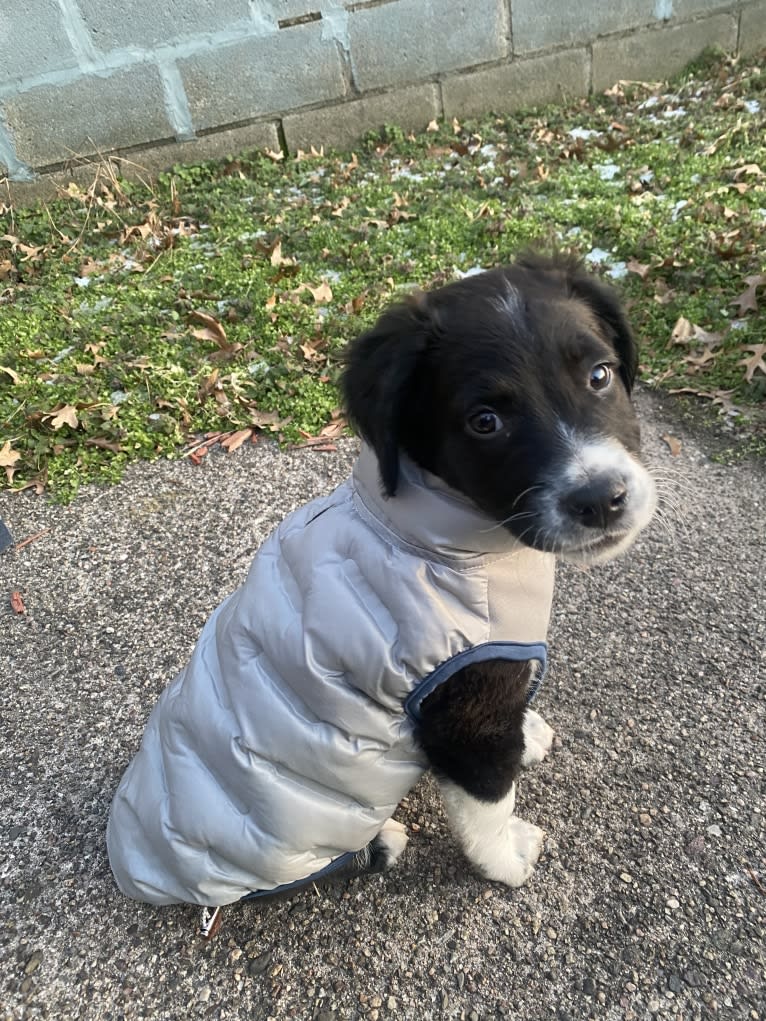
{"x": 296, "y": 884}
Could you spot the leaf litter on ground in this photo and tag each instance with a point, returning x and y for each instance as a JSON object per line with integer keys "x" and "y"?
{"x": 138, "y": 322}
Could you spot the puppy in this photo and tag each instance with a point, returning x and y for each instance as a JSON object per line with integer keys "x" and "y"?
{"x": 399, "y": 623}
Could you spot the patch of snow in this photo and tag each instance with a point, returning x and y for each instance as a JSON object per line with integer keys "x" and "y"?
{"x": 469, "y": 272}
{"x": 752, "y": 106}
{"x": 584, "y": 133}
{"x": 82, "y": 281}
{"x": 607, "y": 171}
{"x": 681, "y": 204}
{"x": 406, "y": 172}
{"x": 670, "y": 114}
{"x": 118, "y": 396}
{"x": 618, "y": 271}
{"x": 597, "y": 256}
{"x": 97, "y": 306}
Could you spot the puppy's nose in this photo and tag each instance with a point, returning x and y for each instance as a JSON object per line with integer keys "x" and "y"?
{"x": 599, "y": 503}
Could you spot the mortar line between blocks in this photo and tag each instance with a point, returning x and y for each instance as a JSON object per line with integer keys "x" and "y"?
{"x": 87, "y": 55}
{"x": 18, "y": 170}
{"x": 176, "y": 102}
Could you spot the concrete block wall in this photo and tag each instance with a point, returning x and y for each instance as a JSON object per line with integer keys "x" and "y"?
{"x": 158, "y": 83}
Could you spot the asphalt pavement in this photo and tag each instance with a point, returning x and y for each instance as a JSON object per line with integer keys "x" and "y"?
{"x": 649, "y": 900}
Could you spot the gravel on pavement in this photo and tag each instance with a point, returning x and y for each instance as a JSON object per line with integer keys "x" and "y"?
{"x": 649, "y": 900}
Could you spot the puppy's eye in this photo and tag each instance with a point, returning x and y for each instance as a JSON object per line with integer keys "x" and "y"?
{"x": 485, "y": 422}
{"x": 600, "y": 377}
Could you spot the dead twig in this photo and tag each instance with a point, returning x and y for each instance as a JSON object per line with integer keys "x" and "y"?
{"x": 31, "y": 538}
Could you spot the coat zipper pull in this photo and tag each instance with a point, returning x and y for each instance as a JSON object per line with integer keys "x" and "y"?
{"x": 210, "y": 922}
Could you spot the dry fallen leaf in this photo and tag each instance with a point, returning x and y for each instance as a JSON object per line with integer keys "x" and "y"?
{"x": 755, "y": 363}
{"x": 663, "y": 294}
{"x": 8, "y": 456}
{"x": 311, "y": 354}
{"x": 719, "y": 397}
{"x": 638, "y": 267}
{"x": 710, "y": 340}
{"x": 266, "y": 420}
{"x": 277, "y": 259}
{"x": 212, "y": 328}
{"x": 235, "y": 440}
{"x": 104, "y": 444}
{"x": 749, "y": 170}
{"x": 674, "y": 444}
{"x": 66, "y": 415}
{"x": 748, "y": 300}
{"x": 89, "y": 267}
{"x": 17, "y": 603}
{"x": 700, "y": 360}
{"x": 723, "y": 399}
{"x": 335, "y": 427}
{"x": 15, "y": 377}
{"x": 683, "y": 332}
{"x": 321, "y": 293}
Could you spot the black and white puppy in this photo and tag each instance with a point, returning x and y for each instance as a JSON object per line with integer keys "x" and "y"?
{"x": 283, "y": 743}
{"x": 513, "y": 386}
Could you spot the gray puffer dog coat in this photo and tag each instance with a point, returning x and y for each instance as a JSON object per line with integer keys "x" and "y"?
{"x": 290, "y": 737}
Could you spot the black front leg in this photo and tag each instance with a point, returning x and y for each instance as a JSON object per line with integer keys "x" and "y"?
{"x": 472, "y": 727}
{"x": 478, "y": 732}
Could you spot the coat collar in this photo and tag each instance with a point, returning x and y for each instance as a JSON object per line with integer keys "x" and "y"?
{"x": 427, "y": 513}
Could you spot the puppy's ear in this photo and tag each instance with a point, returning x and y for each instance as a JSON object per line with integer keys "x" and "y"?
{"x": 379, "y": 377}
{"x": 606, "y": 304}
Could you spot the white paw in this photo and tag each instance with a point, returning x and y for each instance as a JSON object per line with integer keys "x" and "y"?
{"x": 394, "y": 836}
{"x": 499, "y": 844}
{"x": 511, "y": 858}
{"x": 538, "y": 738}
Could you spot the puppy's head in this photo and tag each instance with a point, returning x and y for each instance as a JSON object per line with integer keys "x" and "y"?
{"x": 514, "y": 387}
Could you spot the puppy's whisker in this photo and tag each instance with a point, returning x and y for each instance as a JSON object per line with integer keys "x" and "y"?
{"x": 529, "y": 489}
{"x": 524, "y": 533}
{"x": 508, "y": 520}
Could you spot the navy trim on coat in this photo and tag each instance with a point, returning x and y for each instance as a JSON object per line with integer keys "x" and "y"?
{"x": 515, "y": 652}
{"x": 335, "y": 864}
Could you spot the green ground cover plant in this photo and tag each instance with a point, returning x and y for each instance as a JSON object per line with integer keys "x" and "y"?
{"x": 138, "y": 322}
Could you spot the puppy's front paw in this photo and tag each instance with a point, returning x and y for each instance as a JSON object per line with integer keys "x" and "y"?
{"x": 512, "y": 859}
{"x": 391, "y": 841}
{"x": 538, "y": 738}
